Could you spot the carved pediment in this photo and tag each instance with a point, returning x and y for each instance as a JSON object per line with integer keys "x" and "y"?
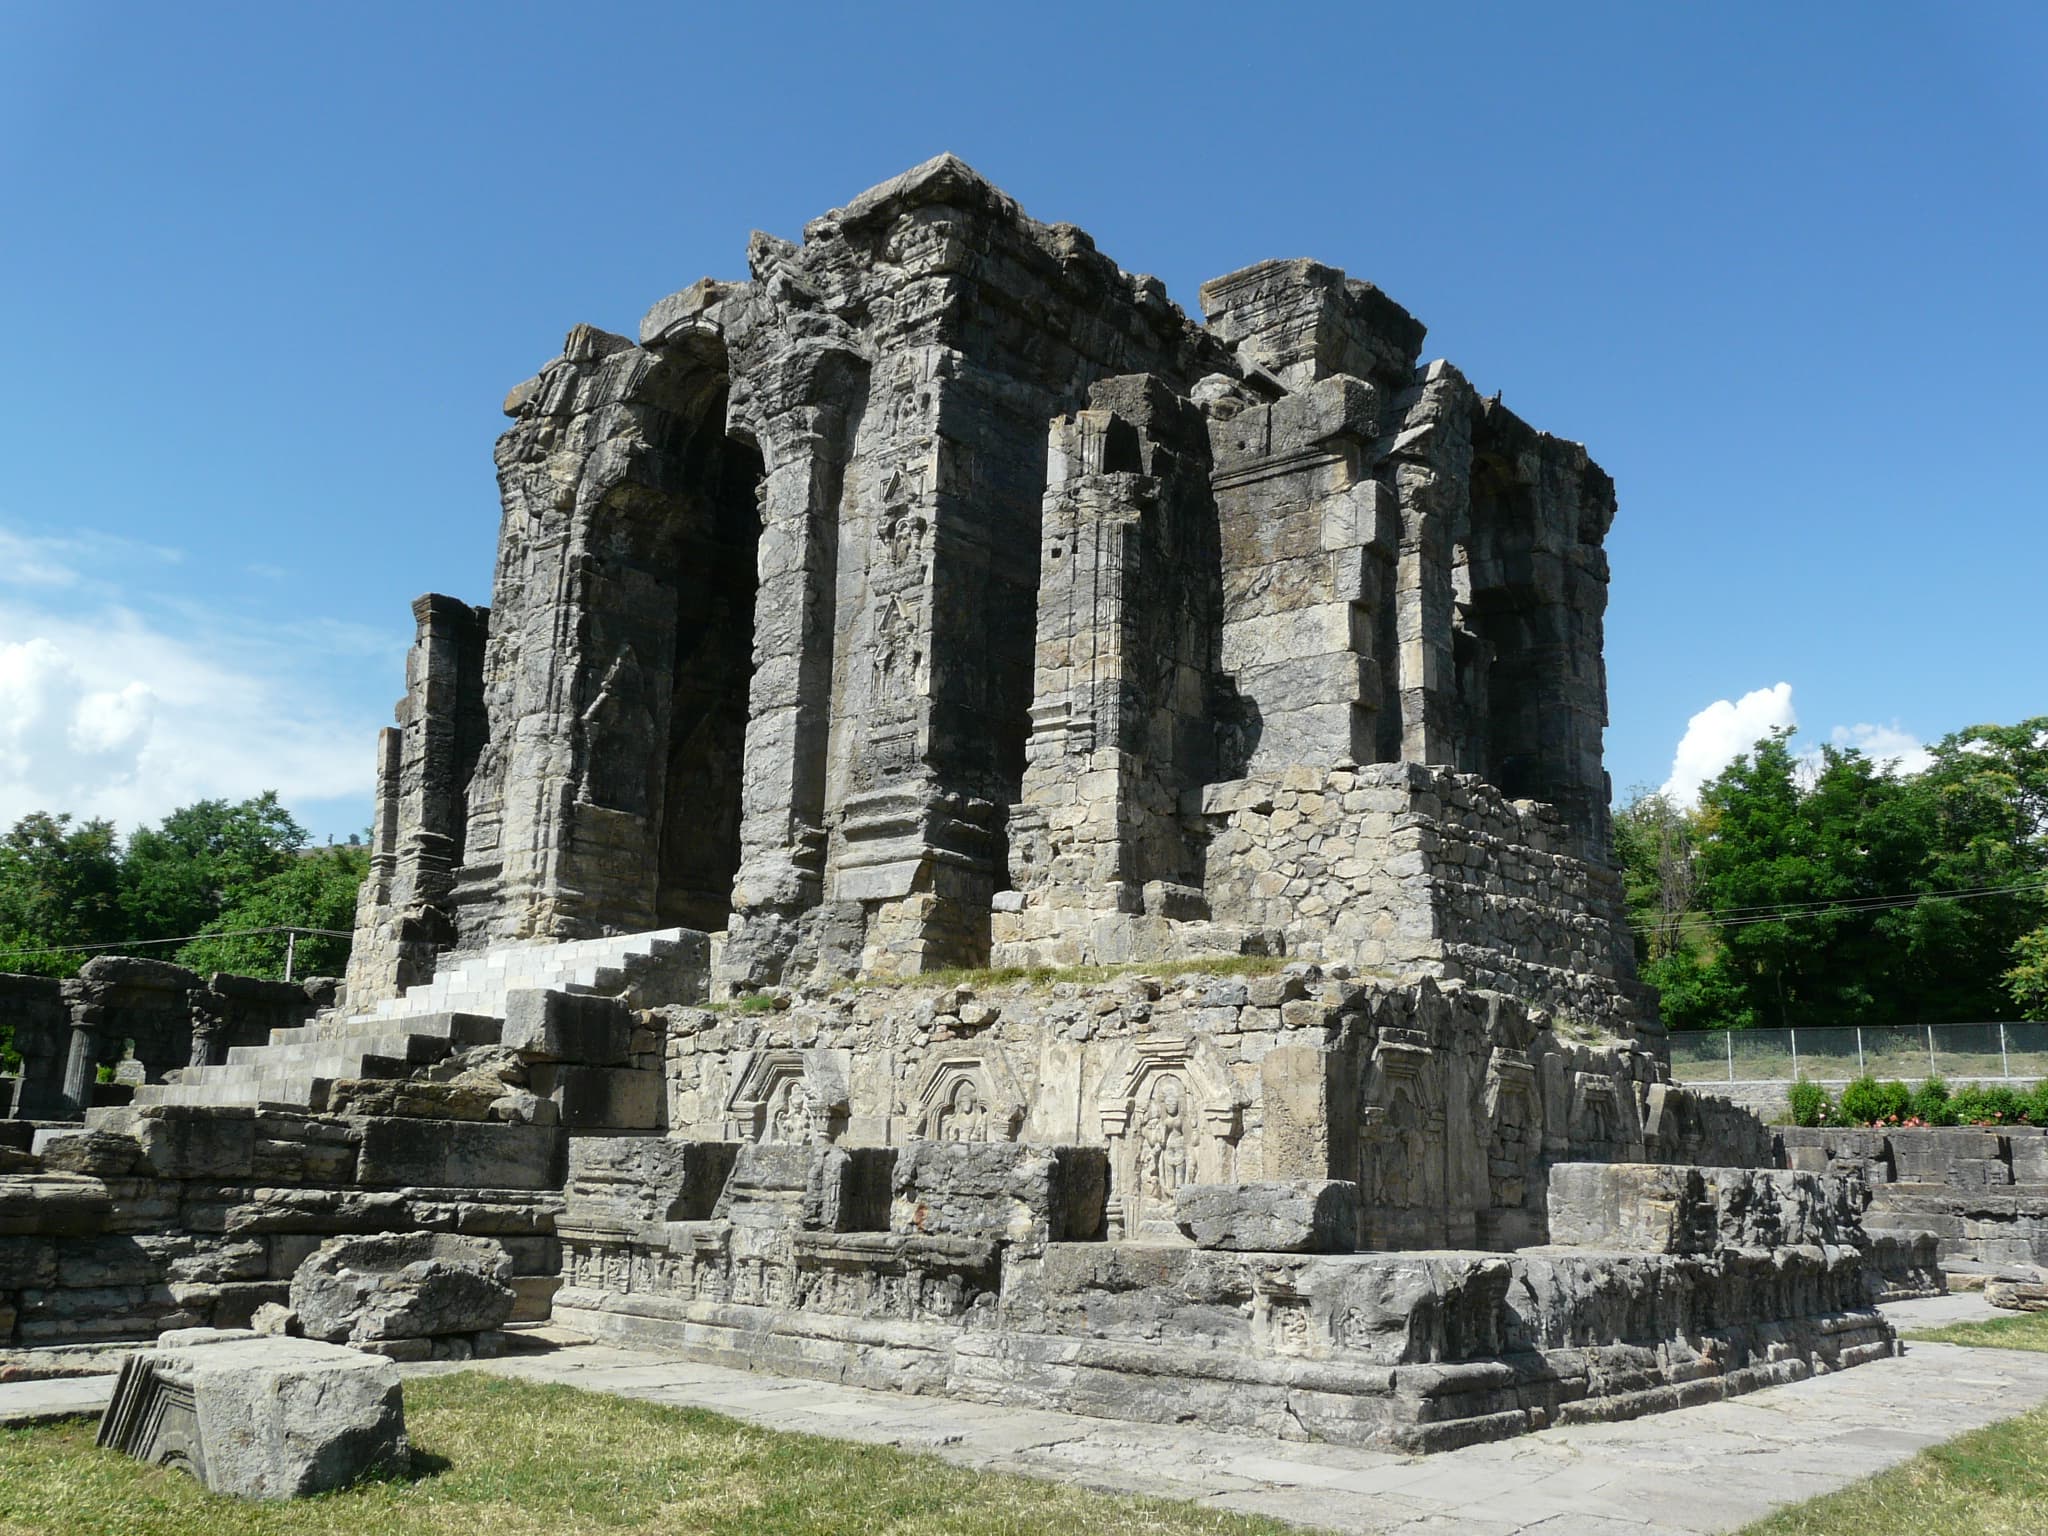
{"x": 787, "y": 1095}
{"x": 968, "y": 1093}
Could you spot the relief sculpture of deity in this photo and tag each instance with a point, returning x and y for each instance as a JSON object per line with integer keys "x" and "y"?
{"x": 1163, "y": 1145}
{"x": 789, "y": 1118}
{"x": 963, "y": 1117}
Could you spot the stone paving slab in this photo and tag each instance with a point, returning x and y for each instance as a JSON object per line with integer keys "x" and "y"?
{"x": 1700, "y": 1470}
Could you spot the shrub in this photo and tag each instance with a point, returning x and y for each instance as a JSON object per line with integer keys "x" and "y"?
{"x": 2037, "y": 1105}
{"x": 1869, "y": 1102}
{"x": 1996, "y": 1105}
{"x": 1810, "y": 1103}
{"x": 1931, "y": 1103}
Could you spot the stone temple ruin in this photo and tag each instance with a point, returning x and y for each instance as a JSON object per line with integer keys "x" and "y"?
{"x": 942, "y": 597}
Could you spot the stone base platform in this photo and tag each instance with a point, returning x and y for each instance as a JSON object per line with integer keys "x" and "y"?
{"x": 1411, "y": 1352}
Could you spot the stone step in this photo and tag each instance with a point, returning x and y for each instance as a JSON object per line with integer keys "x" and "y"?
{"x": 463, "y": 1029}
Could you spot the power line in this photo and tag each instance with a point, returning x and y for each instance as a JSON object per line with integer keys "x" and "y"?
{"x": 1769, "y": 908}
{"x": 238, "y": 933}
{"x": 1795, "y": 911}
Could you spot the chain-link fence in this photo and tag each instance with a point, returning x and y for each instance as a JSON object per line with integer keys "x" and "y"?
{"x": 1909, "y": 1052}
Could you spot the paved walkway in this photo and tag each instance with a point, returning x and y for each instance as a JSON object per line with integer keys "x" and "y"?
{"x": 1714, "y": 1468}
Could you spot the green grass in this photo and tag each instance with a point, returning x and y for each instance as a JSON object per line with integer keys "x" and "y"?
{"x": 500, "y": 1456}
{"x": 1990, "y": 1482}
{"x": 2028, "y": 1330}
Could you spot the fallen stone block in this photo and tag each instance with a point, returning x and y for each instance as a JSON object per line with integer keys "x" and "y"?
{"x": 260, "y": 1418}
{"x": 406, "y": 1285}
{"x": 1284, "y": 1216}
{"x": 2024, "y": 1289}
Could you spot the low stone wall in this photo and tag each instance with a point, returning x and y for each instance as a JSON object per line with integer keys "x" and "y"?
{"x": 1983, "y": 1193}
{"x": 175, "y": 1217}
{"x": 145, "y": 1017}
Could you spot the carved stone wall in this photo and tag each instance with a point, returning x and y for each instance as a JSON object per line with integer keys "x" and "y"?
{"x": 1445, "y": 1104}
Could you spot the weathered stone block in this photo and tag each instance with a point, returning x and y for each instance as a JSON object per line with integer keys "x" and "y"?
{"x": 448, "y": 1153}
{"x": 190, "y": 1142}
{"x": 570, "y": 1027}
{"x": 1282, "y": 1216}
{"x": 603, "y": 1098}
{"x": 2023, "y": 1289}
{"x": 262, "y": 1418}
{"x": 403, "y": 1285}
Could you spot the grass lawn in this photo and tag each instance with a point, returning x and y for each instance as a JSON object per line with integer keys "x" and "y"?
{"x": 1990, "y": 1482}
{"x": 2027, "y": 1330}
{"x": 501, "y": 1456}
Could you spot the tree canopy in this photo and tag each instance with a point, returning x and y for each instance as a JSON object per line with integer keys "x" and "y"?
{"x": 203, "y": 876}
{"x": 1821, "y": 890}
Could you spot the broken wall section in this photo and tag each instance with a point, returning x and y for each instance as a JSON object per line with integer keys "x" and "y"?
{"x": 1407, "y": 870}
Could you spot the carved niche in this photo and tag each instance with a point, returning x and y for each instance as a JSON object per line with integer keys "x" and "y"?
{"x": 1171, "y": 1115}
{"x": 967, "y": 1093}
{"x": 1396, "y": 1116}
{"x": 791, "y": 1096}
{"x": 1514, "y": 1115}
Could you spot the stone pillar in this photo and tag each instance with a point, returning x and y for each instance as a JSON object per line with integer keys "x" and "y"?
{"x": 790, "y": 702}
{"x": 81, "y": 1065}
{"x": 442, "y": 735}
{"x": 1536, "y": 575}
{"x": 1428, "y": 464}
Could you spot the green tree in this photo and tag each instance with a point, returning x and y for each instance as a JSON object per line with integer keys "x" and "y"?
{"x": 1654, "y": 847}
{"x": 59, "y": 885}
{"x": 1978, "y": 818}
{"x": 2027, "y": 982}
{"x": 316, "y": 890}
{"x": 180, "y": 876}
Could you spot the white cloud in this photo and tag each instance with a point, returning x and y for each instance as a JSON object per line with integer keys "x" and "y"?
{"x": 1895, "y": 751}
{"x": 108, "y": 710}
{"x": 1726, "y": 728}
{"x": 1723, "y": 731}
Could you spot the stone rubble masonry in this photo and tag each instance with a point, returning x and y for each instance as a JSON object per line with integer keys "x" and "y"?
{"x": 941, "y": 591}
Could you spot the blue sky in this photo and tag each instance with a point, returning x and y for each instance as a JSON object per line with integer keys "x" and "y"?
{"x": 266, "y": 273}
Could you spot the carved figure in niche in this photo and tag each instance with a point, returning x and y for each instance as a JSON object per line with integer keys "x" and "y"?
{"x": 1164, "y": 1140}
{"x": 1398, "y": 1169}
{"x": 790, "y": 1118}
{"x": 1289, "y": 1327}
{"x": 963, "y": 1117}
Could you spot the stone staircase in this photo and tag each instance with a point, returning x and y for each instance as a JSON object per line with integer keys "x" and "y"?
{"x": 463, "y": 1006}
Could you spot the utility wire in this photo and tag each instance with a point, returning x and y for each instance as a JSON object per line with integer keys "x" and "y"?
{"x": 239, "y": 933}
{"x": 1826, "y": 909}
{"x": 1850, "y": 901}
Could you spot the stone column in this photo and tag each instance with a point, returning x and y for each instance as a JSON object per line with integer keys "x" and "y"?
{"x": 789, "y": 714}
{"x": 1428, "y": 464}
{"x": 81, "y": 1066}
